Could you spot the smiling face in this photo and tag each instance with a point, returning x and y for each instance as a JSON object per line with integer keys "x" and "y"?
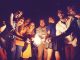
{"x": 42, "y": 23}
{"x": 60, "y": 15}
{"x": 51, "y": 20}
{"x": 71, "y": 11}
{"x": 20, "y": 22}
{"x": 32, "y": 25}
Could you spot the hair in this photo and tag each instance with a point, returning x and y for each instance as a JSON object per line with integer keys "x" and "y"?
{"x": 51, "y": 17}
{"x": 71, "y": 7}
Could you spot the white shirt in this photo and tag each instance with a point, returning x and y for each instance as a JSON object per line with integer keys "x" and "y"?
{"x": 61, "y": 28}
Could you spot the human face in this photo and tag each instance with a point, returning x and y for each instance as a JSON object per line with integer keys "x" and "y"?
{"x": 51, "y": 20}
{"x": 71, "y": 11}
{"x": 60, "y": 15}
{"x": 42, "y": 23}
{"x": 20, "y": 22}
{"x": 32, "y": 25}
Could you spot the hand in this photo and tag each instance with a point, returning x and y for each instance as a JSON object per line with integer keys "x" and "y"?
{"x": 28, "y": 40}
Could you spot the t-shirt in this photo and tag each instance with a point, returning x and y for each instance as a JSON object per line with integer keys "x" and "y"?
{"x": 52, "y": 29}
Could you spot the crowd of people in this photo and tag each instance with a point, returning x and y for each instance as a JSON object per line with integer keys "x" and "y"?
{"x": 22, "y": 40}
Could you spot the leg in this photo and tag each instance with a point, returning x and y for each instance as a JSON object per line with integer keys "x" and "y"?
{"x": 3, "y": 55}
{"x": 72, "y": 52}
{"x": 40, "y": 52}
{"x": 57, "y": 55}
{"x": 45, "y": 53}
{"x": 49, "y": 54}
{"x": 67, "y": 52}
{"x": 18, "y": 52}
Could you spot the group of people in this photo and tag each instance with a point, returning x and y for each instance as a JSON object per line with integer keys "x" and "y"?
{"x": 22, "y": 40}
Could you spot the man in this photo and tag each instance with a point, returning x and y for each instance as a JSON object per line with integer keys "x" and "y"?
{"x": 75, "y": 28}
{"x": 72, "y": 44}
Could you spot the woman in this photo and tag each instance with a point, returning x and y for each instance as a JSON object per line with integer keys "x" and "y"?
{"x": 51, "y": 33}
{"x": 27, "y": 53}
{"x": 42, "y": 33}
{"x": 19, "y": 39}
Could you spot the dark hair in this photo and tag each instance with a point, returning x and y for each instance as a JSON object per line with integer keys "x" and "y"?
{"x": 51, "y": 17}
{"x": 71, "y": 7}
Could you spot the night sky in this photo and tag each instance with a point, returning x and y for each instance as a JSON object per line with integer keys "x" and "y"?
{"x": 35, "y": 9}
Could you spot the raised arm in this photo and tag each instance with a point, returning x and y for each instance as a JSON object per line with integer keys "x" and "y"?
{"x": 11, "y": 20}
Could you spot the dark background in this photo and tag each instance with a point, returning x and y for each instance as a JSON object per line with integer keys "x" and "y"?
{"x": 35, "y": 9}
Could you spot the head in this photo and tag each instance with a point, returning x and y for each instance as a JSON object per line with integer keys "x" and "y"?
{"x": 42, "y": 23}
{"x": 71, "y": 10}
{"x": 60, "y": 14}
{"x": 26, "y": 22}
{"x": 32, "y": 25}
{"x": 51, "y": 20}
{"x": 20, "y": 22}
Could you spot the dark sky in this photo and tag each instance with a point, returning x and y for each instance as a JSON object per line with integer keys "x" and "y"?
{"x": 34, "y": 8}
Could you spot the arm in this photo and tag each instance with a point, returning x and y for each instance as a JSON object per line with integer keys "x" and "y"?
{"x": 11, "y": 20}
{"x": 2, "y": 28}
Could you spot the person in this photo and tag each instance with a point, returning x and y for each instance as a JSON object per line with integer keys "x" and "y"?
{"x": 77, "y": 55}
{"x": 3, "y": 54}
{"x": 78, "y": 19}
{"x": 72, "y": 44}
{"x": 14, "y": 17}
{"x": 61, "y": 27}
{"x": 51, "y": 32}
{"x": 18, "y": 40}
{"x": 76, "y": 30}
{"x": 27, "y": 53}
{"x": 42, "y": 33}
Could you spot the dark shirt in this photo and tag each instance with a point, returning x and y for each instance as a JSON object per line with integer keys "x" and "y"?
{"x": 52, "y": 29}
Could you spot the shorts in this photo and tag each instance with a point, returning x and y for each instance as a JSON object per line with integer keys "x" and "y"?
{"x": 49, "y": 43}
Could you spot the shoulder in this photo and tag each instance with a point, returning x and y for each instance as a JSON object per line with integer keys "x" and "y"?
{"x": 58, "y": 24}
